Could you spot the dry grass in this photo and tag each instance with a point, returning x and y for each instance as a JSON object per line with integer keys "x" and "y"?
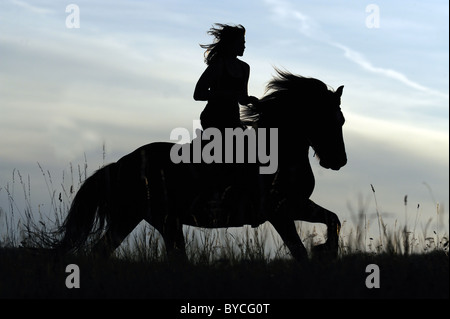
{"x": 223, "y": 263}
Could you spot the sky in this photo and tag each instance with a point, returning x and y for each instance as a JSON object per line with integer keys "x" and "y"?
{"x": 88, "y": 86}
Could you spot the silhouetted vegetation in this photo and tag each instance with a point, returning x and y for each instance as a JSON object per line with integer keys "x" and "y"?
{"x": 253, "y": 265}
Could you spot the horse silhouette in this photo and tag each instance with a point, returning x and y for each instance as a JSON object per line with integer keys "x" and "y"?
{"x": 147, "y": 185}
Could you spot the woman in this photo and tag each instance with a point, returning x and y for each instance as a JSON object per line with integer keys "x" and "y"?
{"x": 224, "y": 82}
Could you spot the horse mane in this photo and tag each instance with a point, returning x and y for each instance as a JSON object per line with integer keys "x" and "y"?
{"x": 284, "y": 89}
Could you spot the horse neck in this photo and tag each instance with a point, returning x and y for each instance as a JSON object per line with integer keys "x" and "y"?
{"x": 293, "y": 153}
{"x": 294, "y": 170}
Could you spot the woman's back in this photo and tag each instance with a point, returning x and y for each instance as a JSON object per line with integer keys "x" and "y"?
{"x": 224, "y": 83}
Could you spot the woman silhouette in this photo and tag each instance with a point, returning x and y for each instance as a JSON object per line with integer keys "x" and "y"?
{"x": 224, "y": 82}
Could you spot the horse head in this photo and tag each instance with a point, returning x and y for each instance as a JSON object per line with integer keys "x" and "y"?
{"x": 305, "y": 110}
{"x": 324, "y": 131}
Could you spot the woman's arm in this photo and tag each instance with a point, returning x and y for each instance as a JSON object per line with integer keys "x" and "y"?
{"x": 202, "y": 92}
{"x": 245, "y": 99}
{"x": 207, "y": 86}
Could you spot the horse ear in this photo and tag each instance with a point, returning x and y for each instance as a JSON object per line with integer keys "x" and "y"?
{"x": 339, "y": 91}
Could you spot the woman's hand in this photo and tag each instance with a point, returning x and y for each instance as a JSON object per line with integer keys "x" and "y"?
{"x": 246, "y": 100}
{"x": 253, "y": 100}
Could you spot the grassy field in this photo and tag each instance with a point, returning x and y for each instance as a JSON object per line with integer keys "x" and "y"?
{"x": 221, "y": 265}
{"x": 139, "y": 270}
{"x": 31, "y": 274}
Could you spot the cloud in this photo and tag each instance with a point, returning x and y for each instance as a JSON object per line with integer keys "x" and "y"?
{"x": 287, "y": 16}
{"x": 31, "y": 8}
{"x": 416, "y": 141}
{"x": 72, "y": 91}
{"x": 394, "y": 139}
{"x": 360, "y": 60}
{"x": 121, "y": 79}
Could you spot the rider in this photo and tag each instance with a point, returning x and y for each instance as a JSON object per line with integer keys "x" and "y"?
{"x": 224, "y": 82}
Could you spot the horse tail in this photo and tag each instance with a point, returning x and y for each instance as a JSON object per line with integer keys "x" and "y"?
{"x": 89, "y": 213}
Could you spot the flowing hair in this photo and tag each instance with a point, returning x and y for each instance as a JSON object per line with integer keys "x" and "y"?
{"x": 283, "y": 89}
{"x": 224, "y": 35}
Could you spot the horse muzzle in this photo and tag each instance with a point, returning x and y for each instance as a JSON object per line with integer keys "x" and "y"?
{"x": 334, "y": 165}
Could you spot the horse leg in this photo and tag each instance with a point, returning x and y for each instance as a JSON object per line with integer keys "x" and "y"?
{"x": 174, "y": 240}
{"x": 171, "y": 229}
{"x": 288, "y": 232}
{"x": 114, "y": 236}
{"x": 316, "y": 214}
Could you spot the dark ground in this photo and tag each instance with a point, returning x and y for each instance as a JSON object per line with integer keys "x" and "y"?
{"x": 30, "y": 274}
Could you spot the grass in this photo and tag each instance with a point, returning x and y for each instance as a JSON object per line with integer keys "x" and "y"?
{"x": 29, "y": 274}
{"x": 223, "y": 263}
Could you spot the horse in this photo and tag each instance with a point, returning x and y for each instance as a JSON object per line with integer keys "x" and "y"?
{"x": 147, "y": 185}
